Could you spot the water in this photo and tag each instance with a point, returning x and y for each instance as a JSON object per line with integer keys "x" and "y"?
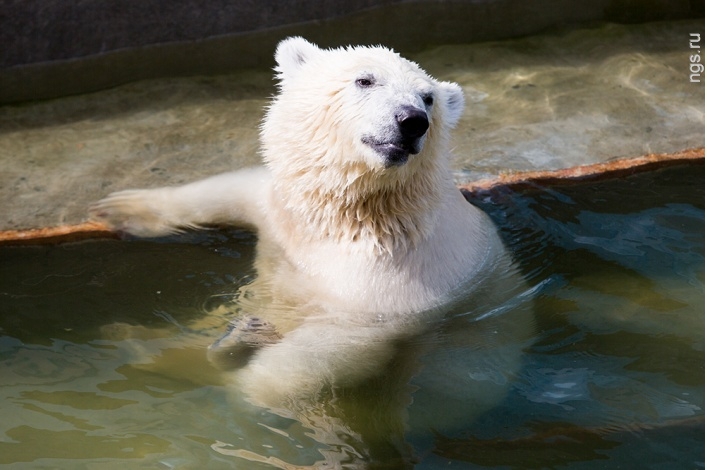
{"x": 103, "y": 364}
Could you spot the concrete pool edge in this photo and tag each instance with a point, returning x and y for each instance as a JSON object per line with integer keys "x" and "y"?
{"x": 574, "y": 175}
{"x": 610, "y": 169}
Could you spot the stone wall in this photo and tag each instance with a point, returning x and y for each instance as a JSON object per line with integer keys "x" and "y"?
{"x": 54, "y": 48}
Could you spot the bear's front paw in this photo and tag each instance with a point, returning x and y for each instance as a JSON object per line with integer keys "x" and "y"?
{"x": 139, "y": 212}
{"x": 243, "y": 338}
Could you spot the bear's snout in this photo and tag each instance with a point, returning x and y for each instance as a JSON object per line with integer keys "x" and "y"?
{"x": 406, "y": 140}
{"x": 412, "y": 122}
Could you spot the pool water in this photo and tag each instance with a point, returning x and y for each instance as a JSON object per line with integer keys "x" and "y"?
{"x": 103, "y": 362}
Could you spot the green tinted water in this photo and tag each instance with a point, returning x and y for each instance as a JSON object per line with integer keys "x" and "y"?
{"x": 103, "y": 351}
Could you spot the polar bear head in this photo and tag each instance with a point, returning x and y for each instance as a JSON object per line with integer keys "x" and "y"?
{"x": 361, "y": 130}
{"x": 356, "y": 105}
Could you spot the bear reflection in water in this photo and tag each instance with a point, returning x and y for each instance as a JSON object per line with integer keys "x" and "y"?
{"x": 370, "y": 261}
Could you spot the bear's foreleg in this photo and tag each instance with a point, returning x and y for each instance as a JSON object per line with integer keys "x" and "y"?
{"x": 235, "y": 198}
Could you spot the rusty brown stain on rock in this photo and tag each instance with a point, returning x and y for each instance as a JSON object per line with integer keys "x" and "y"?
{"x": 54, "y": 235}
{"x": 611, "y": 169}
{"x": 580, "y": 174}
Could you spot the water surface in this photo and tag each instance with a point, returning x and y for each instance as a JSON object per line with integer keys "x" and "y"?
{"x": 103, "y": 364}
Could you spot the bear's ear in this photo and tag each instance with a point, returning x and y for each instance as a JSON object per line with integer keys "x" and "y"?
{"x": 292, "y": 53}
{"x": 453, "y": 99}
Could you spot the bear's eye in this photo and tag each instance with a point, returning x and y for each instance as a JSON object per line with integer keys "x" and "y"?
{"x": 428, "y": 100}
{"x": 365, "y": 82}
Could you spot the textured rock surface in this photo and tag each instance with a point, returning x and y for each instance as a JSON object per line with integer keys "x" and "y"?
{"x": 539, "y": 103}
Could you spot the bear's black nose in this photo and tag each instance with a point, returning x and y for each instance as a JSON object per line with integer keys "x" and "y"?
{"x": 412, "y": 122}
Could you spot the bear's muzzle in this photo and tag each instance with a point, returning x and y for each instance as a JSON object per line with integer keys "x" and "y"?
{"x": 412, "y": 124}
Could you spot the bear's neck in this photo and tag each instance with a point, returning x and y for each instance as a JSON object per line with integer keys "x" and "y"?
{"x": 389, "y": 210}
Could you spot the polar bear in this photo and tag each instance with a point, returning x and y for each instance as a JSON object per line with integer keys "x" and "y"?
{"x": 363, "y": 236}
{"x": 356, "y": 187}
